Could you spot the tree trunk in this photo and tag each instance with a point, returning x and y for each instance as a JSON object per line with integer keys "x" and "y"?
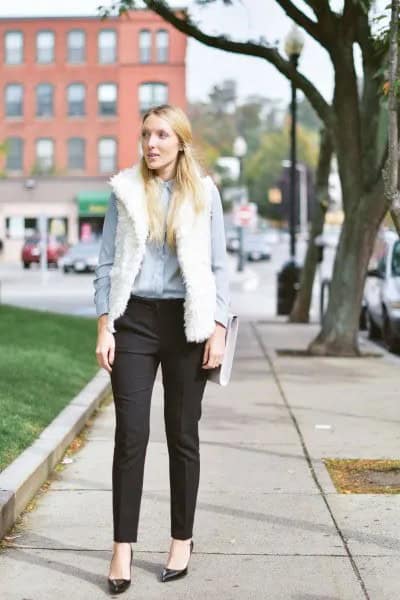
{"x": 301, "y": 308}
{"x": 339, "y": 333}
{"x": 364, "y": 204}
{"x": 391, "y": 171}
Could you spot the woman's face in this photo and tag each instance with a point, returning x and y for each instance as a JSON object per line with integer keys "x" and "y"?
{"x": 160, "y": 144}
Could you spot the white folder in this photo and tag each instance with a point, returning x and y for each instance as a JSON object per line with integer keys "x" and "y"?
{"x": 222, "y": 374}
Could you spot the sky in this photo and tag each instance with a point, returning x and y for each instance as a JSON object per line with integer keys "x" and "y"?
{"x": 208, "y": 66}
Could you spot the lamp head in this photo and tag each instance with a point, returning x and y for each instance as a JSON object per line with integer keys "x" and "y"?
{"x": 239, "y": 147}
{"x": 294, "y": 42}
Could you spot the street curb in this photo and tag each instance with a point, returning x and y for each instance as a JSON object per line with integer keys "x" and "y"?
{"x": 20, "y": 481}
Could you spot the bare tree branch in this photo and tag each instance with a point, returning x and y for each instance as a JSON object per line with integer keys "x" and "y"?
{"x": 249, "y": 48}
{"x": 301, "y": 19}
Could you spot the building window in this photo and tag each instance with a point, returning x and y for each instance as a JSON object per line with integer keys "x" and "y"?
{"x": 162, "y": 43}
{"x": 76, "y": 99}
{"x": 44, "y": 155}
{"x": 107, "y": 99}
{"x": 76, "y": 46}
{"x": 107, "y": 151}
{"x": 107, "y": 46}
{"x": 45, "y": 47}
{"x": 14, "y": 153}
{"x": 14, "y": 47}
{"x": 76, "y": 153}
{"x": 145, "y": 46}
{"x": 44, "y": 100}
{"x": 152, "y": 94}
{"x": 13, "y": 100}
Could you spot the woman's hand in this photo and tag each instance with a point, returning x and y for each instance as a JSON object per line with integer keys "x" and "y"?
{"x": 214, "y": 348}
{"x": 105, "y": 346}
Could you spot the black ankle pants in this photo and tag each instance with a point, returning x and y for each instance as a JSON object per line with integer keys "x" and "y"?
{"x": 149, "y": 332}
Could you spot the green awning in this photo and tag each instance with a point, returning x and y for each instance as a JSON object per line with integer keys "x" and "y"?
{"x": 92, "y": 204}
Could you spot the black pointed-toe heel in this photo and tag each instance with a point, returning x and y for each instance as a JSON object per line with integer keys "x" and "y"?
{"x": 169, "y": 574}
{"x": 117, "y": 586}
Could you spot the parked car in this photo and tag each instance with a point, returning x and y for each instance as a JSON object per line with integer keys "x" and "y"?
{"x": 30, "y": 253}
{"x": 272, "y": 235}
{"x": 256, "y": 246}
{"x": 82, "y": 257}
{"x": 382, "y": 291}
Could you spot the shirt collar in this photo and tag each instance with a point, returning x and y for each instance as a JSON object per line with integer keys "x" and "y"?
{"x": 166, "y": 184}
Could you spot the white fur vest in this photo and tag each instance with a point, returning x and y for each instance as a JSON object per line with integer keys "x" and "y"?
{"x": 193, "y": 247}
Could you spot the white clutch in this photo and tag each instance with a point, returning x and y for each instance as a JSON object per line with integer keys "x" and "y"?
{"x": 222, "y": 374}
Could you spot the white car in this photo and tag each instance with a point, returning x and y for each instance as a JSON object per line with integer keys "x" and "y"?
{"x": 382, "y": 291}
{"x": 83, "y": 257}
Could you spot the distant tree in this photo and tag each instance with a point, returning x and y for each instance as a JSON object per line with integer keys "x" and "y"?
{"x": 264, "y": 167}
{"x": 223, "y": 97}
{"x": 307, "y": 116}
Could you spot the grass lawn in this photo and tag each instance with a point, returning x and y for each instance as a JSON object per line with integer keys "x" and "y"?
{"x": 45, "y": 360}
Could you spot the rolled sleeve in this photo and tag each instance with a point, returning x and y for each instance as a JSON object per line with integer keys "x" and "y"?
{"x": 101, "y": 281}
{"x": 219, "y": 260}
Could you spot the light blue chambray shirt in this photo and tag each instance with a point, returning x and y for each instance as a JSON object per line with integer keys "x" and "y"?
{"x": 160, "y": 274}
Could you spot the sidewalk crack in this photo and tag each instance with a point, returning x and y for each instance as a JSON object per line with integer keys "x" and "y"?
{"x": 268, "y": 357}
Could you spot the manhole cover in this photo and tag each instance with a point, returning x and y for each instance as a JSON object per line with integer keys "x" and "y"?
{"x": 364, "y": 476}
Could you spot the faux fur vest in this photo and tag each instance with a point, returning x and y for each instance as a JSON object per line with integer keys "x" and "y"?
{"x": 193, "y": 247}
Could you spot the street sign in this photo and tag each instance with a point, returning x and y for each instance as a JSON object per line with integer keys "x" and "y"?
{"x": 245, "y": 215}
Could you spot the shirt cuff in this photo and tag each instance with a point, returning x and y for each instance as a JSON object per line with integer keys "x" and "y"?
{"x": 221, "y": 317}
{"x": 101, "y": 308}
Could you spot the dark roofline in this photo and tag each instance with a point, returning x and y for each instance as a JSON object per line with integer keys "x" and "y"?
{"x": 54, "y": 18}
{"x": 75, "y": 17}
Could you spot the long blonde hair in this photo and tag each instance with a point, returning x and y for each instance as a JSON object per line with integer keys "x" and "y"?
{"x": 187, "y": 180}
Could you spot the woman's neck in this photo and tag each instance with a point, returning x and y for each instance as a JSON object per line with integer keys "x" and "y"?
{"x": 167, "y": 173}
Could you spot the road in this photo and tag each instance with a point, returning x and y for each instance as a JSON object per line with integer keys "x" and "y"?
{"x": 253, "y": 291}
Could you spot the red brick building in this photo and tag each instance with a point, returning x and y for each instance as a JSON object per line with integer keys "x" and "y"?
{"x": 72, "y": 93}
{"x": 73, "y": 89}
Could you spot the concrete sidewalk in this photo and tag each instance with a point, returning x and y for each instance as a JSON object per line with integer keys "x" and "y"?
{"x": 269, "y": 523}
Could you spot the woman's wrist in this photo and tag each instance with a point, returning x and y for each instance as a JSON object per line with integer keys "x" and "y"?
{"x": 102, "y": 322}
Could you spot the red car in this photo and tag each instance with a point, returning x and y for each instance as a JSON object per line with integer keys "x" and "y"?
{"x": 56, "y": 247}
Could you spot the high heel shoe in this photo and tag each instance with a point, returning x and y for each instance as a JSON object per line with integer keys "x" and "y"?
{"x": 117, "y": 586}
{"x": 169, "y": 574}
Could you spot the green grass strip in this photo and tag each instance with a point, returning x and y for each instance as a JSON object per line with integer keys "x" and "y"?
{"x": 45, "y": 360}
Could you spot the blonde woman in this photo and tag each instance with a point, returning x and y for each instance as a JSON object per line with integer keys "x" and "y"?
{"x": 162, "y": 296}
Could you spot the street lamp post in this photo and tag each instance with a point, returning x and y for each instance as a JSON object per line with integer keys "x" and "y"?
{"x": 303, "y": 195}
{"x": 293, "y": 46}
{"x": 288, "y": 277}
{"x": 239, "y": 150}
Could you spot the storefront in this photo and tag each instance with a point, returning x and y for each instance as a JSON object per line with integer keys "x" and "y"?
{"x": 73, "y": 208}
{"x": 92, "y": 206}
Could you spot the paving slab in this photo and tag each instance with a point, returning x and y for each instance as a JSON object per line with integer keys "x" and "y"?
{"x": 237, "y": 467}
{"x": 369, "y": 522}
{"x": 381, "y": 576}
{"x": 239, "y": 577}
{"x": 225, "y": 522}
{"x": 250, "y": 411}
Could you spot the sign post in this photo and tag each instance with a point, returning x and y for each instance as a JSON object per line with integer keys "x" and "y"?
{"x": 244, "y": 217}
{"x": 43, "y": 245}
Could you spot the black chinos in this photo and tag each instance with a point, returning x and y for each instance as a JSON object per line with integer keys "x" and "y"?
{"x": 149, "y": 332}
